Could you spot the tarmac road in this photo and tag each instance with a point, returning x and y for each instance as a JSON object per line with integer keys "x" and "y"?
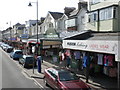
{"x": 12, "y": 75}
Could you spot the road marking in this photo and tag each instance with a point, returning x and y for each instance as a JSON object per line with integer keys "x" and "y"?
{"x": 38, "y": 84}
{"x": 25, "y": 75}
{"x": 23, "y": 71}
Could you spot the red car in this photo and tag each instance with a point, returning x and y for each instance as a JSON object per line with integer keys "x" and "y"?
{"x": 64, "y": 79}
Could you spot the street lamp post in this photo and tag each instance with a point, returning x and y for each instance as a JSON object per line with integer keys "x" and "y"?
{"x": 37, "y": 27}
{"x": 10, "y": 28}
{"x": 36, "y": 19}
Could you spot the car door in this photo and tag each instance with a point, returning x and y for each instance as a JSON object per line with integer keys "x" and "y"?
{"x": 49, "y": 77}
{"x": 22, "y": 61}
{"x": 53, "y": 79}
{"x": 19, "y": 54}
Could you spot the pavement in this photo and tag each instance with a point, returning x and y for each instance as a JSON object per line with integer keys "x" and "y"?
{"x": 96, "y": 82}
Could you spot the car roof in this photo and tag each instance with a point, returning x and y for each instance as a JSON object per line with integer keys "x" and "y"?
{"x": 59, "y": 70}
{"x": 17, "y": 50}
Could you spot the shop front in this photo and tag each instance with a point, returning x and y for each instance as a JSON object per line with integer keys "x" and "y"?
{"x": 104, "y": 55}
{"x": 51, "y": 48}
{"x": 33, "y": 43}
{"x": 51, "y": 43}
{"x": 100, "y": 48}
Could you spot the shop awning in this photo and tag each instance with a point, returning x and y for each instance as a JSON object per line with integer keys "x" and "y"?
{"x": 34, "y": 41}
{"x": 46, "y": 43}
{"x": 102, "y": 42}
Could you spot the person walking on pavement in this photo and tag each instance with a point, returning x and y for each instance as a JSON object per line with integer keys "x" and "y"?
{"x": 60, "y": 57}
{"x": 68, "y": 61}
{"x": 86, "y": 65}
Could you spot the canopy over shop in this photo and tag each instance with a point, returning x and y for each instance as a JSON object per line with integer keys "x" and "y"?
{"x": 98, "y": 42}
{"x": 33, "y": 43}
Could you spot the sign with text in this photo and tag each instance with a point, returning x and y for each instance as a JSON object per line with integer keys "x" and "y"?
{"x": 101, "y": 46}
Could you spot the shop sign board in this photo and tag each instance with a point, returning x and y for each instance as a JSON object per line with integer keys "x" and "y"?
{"x": 101, "y": 46}
{"x": 46, "y": 47}
{"x": 33, "y": 40}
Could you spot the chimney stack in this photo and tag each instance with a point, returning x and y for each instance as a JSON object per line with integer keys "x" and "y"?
{"x": 82, "y": 4}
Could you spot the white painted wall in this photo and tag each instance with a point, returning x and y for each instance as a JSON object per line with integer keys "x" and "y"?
{"x": 82, "y": 20}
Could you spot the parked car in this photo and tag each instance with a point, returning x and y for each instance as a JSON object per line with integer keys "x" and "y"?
{"x": 4, "y": 46}
{"x": 63, "y": 79}
{"x": 9, "y": 49}
{"x": 27, "y": 61}
{"x": 16, "y": 54}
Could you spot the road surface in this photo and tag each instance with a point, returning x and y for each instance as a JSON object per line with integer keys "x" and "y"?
{"x": 12, "y": 75}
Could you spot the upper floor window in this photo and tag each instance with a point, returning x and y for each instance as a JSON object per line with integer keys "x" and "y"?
{"x": 71, "y": 22}
{"x": 106, "y": 13}
{"x": 95, "y": 1}
{"x": 93, "y": 16}
{"x": 50, "y": 25}
{"x": 40, "y": 29}
{"x": 82, "y": 19}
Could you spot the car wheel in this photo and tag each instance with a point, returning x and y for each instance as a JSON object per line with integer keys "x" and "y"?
{"x": 19, "y": 62}
{"x": 10, "y": 56}
{"x": 45, "y": 81}
{"x": 24, "y": 65}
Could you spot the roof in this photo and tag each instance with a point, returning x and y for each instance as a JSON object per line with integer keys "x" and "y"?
{"x": 74, "y": 13}
{"x": 35, "y": 36}
{"x": 85, "y": 34}
{"x": 93, "y": 35}
{"x": 105, "y": 36}
{"x": 56, "y": 15}
{"x": 17, "y": 24}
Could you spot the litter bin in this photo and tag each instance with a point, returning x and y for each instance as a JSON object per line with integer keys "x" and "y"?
{"x": 39, "y": 59}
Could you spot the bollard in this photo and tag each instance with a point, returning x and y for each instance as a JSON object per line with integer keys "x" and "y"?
{"x": 39, "y": 59}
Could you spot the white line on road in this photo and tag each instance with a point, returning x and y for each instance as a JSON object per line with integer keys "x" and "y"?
{"x": 23, "y": 72}
{"x": 38, "y": 84}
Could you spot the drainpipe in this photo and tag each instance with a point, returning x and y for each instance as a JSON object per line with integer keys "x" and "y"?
{"x": 98, "y": 22}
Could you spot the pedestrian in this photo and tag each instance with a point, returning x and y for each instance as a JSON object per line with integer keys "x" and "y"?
{"x": 86, "y": 65}
{"x": 60, "y": 56}
{"x": 68, "y": 61}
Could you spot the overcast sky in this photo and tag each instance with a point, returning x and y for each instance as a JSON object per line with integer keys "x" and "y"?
{"x": 18, "y": 10}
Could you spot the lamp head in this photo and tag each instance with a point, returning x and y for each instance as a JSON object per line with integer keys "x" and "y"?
{"x": 29, "y": 4}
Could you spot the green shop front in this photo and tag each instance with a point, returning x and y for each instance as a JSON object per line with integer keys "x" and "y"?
{"x": 51, "y": 43}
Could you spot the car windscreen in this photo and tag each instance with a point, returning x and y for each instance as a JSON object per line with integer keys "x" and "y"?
{"x": 67, "y": 76}
{"x": 19, "y": 52}
{"x": 29, "y": 59}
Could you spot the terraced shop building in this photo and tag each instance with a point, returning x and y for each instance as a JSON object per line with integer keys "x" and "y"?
{"x": 104, "y": 15}
{"x": 103, "y": 47}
